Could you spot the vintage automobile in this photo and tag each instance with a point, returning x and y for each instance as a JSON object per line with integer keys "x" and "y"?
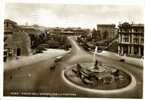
{"x": 122, "y": 60}
{"x": 57, "y": 59}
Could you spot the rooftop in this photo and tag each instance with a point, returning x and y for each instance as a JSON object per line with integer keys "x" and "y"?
{"x": 10, "y": 21}
{"x": 106, "y": 25}
{"x": 126, "y": 24}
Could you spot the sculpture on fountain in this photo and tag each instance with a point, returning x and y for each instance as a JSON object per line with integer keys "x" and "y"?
{"x": 96, "y": 65}
{"x": 97, "y": 75}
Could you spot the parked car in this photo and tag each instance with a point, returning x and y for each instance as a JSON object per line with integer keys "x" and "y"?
{"x": 122, "y": 60}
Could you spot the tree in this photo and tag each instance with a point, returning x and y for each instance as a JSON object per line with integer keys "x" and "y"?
{"x": 105, "y": 34}
{"x": 96, "y": 35}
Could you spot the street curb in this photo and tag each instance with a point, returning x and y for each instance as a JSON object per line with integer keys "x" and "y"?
{"x": 30, "y": 60}
{"x": 129, "y": 60}
{"x": 115, "y": 91}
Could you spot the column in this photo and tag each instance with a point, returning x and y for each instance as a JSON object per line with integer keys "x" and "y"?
{"x": 132, "y": 50}
{"x": 119, "y": 37}
{"x": 140, "y": 37}
{"x": 128, "y": 50}
{"x": 129, "y": 38}
{"x": 122, "y": 39}
{"x": 122, "y": 50}
{"x": 139, "y": 51}
{"x": 119, "y": 50}
{"x": 132, "y": 38}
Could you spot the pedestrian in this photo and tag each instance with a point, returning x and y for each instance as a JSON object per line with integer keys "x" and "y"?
{"x": 53, "y": 66}
{"x": 17, "y": 57}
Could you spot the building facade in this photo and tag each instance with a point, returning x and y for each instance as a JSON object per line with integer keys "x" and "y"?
{"x": 107, "y": 31}
{"x": 16, "y": 41}
{"x": 69, "y": 31}
{"x": 131, "y": 40}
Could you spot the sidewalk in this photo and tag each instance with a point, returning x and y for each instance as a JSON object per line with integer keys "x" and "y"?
{"x": 130, "y": 60}
{"x": 27, "y": 60}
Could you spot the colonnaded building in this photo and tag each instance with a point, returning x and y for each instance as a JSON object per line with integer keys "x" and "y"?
{"x": 131, "y": 39}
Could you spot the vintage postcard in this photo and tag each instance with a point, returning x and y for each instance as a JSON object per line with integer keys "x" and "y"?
{"x": 73, "y": 50}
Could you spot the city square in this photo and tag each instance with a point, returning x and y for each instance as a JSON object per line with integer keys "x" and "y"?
{"x": 101, "y": 62}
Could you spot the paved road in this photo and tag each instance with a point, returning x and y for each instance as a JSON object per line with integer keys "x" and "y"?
{"x": 39, "y": 78}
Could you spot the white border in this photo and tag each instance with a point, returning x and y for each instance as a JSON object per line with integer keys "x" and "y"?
{"x": 1, "y": 46}
{"x": 116, "y": 2}
{"x": 103, "y": 2}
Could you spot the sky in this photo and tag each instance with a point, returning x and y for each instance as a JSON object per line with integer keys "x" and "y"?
{"x": 72, "y": 15}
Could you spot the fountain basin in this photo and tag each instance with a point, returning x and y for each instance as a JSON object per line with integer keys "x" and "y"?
{"x": 104, "y": 78}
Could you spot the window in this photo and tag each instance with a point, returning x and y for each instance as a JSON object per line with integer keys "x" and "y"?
{"x": 136, "y": 40}
{"x": 142, "y": 40}
{"x": 126, "y": 39}
{"x": 135, "y": 30}
{"x": 136, "y": 50}
{"x": 5, "y": 45}
{"x": 18, "y": 51}
{"x": 10, "y": 53}
{"x": 5, "y": 53}
{"x": 7, "y": 24}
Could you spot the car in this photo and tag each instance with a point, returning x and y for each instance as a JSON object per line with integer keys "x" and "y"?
{"x": 53, "y": 67}
{"x": 122, "y": 60}
{"x": 99, "y": 51}
{"x": 58, "y": 58}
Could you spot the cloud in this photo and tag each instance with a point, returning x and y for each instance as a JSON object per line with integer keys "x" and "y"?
{"x": 72, "y": 15}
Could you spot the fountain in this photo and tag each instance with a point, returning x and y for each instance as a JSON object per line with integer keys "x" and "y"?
{"x": 97, "y": 75}
{"x": 94, "y": 59}
{"x": 94, "y": 55}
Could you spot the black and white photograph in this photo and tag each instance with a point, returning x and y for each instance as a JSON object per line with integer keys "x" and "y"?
{"x": 73, "y": 50}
